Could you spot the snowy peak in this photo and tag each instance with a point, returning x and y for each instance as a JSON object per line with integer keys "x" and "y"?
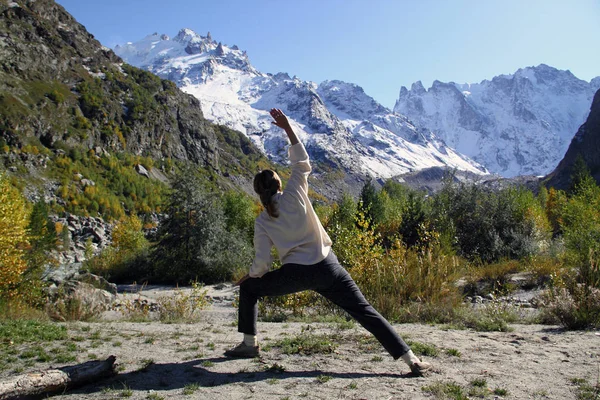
{"x": 517, "y": 124}
{"x": 194, "y": 43}
{"x": 340, "y": 124}
{"x": 188, "y": 54}
{"x": 349, "y": 100}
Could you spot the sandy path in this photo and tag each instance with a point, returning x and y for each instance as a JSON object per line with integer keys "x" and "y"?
{"x": 532, "y": 362}
{"x": 184, "y": 361}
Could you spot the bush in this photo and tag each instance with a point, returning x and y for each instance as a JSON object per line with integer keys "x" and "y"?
{"x": 194, "y": 243}
{"x": 490, "y": 226}
{"x": 575, "y": 307}
{"x": 183, "y": 306}
{"x": 126, "y": 257}
{"x": 13, "y": 240}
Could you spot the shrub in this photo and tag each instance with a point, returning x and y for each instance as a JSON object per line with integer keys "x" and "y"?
{"x": 13, "y": 239}
{"x": 70, "y": 307}
{"x": 576, "y": 306}
{"x": 125, "y": 258}
{"x": 184, "y": 305}
{"x": 490, "y": 226}
{"x": 194, "y": 243}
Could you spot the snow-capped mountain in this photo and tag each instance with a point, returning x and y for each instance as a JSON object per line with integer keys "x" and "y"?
{"x": 339, "y": 123}
{"x": 519, "y": 124}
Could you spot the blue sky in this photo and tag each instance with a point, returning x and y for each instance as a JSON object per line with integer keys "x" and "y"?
{"x": 380, "y": 45}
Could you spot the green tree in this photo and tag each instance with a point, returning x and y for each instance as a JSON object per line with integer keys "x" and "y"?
{"x": 194, "y": 243}
{"x": 239, "y": 211}
{"x": 581, "y": 176}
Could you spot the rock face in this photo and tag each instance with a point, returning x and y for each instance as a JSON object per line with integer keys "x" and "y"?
{"x": 518, "y": 124}
{"x": 586, "y": 144}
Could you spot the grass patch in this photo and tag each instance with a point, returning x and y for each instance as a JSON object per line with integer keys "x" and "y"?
{"x": 306, "y": 344}
{"x": 275, "y": 368}
{"x": 24, "y": 331}
{"x": 446, "y": 390}
{"x": 324, "y": 378}
{"x": 453, "y": 352}
{"x": 423, "y": 349}
{"x": 190, "y": 388}
{"x": 585, "y": 390}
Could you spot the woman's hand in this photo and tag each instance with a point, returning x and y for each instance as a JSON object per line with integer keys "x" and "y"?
{"x": 282, "y": 121}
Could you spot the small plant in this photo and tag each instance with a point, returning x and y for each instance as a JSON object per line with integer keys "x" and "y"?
{"x": 446, "y": 390}
{"x": 126, "y": 391}
{"x": 323, "y": 378}
{"x": 190, "y": 388}
{"x": 423, "y": 349}
{"x": 500, "y": 392}
{"x": 479, "y": 382}
{"x": 306, "y": 344}
{"x": 353, "y": 385}
{"x": 207, "y": 363}
{"x": 154, "y": 396}
{"x": 585, "y": 390}
{"x": 377, "y": 359}
{"x": 275, "y": 368}
{"x": 183, "y": 305}
{"x": 453, "y": 352}
{"x": 210, "y": 345}
{"x": 146, "y": 363}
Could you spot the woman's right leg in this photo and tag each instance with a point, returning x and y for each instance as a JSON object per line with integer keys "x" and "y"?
{"x": 290, "y": 278}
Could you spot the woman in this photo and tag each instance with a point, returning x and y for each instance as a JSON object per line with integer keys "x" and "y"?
{"x": 290, "y": 224}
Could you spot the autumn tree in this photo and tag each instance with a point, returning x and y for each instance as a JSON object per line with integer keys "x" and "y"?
{"x": 13, "y": 238}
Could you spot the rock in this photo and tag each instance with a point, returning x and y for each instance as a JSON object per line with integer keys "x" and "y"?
{"x": 87, "y": 182}
{"x": 139, "y": 168}
{"x": 91, "y": 300}
{"x": 98, "y": 282}
{"x": 62, "y": 273}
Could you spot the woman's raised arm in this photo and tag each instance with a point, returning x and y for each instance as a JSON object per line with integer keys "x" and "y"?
{"x": 282, "y": 122}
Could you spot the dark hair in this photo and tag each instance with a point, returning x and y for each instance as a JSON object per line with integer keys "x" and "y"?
{"x": 266, "y": 184}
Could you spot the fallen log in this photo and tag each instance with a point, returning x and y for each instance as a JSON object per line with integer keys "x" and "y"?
{"x": 53, "y": 380}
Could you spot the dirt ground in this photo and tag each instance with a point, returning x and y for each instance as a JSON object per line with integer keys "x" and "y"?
{"x": 185, "y": 361}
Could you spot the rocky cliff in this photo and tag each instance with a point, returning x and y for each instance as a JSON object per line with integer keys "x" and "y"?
{"x": 586, "y": 144}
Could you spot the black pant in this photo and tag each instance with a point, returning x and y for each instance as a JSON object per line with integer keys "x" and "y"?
{"x": 327, "y": 278}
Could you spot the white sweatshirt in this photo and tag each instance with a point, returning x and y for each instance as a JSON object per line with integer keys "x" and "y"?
{"x": 296, "y": 233}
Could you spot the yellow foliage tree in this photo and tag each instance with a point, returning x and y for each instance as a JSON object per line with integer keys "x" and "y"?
{"x": 13, "y": 237}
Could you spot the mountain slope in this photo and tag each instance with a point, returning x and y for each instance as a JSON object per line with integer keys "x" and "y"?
{"x": 60, "y": 86}
{"x": 516, "y": 124}
{"x": 342, "y": 127}
{"x": 586, "y": 144}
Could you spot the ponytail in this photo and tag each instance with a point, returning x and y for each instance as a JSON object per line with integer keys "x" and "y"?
{"x": 266, "y": 184}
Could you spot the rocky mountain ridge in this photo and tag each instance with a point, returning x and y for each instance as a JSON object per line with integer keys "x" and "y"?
{"x": 343, "y": 127}
{"x": 519, "y": 124}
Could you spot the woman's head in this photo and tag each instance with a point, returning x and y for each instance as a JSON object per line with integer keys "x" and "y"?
{"x": 266, "y": 184}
